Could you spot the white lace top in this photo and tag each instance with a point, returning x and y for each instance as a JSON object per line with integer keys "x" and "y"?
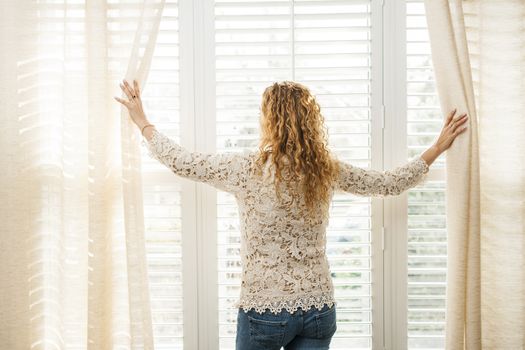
{"x": 283, "y": 258}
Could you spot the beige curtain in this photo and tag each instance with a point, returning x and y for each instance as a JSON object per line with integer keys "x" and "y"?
{"x": 73, "y": 270}
{"x": 478, "y": 52}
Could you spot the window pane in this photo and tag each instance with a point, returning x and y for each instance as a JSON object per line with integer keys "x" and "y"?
{"x": 423, "y": 110}
{"x": 427, "y": 235}
{"x": 427, "y": 262}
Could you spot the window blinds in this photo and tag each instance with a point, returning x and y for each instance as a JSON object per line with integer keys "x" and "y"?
{"x": 327, "y": 46}
{"x": 427, "y": 236}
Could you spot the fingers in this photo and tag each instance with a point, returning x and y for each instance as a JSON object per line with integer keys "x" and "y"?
{"x": 130, "y": 89}
{"x": 458, "y": 128}
{"x": 450, "y": 116}
{"x": 459, "y": 121}
{"x": 459, "y": 131}
{"x": 126, "y": 90}
{"x": 124, "y": 102}
{"x": 137, "y": 87}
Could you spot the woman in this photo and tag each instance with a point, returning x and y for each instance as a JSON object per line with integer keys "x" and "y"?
{"x": 283, "y": 191}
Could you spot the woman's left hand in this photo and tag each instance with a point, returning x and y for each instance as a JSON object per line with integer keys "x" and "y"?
{"x": 134, "y": 102}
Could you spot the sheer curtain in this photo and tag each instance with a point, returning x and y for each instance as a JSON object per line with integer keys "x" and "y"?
{"x": 478, "y": 51}
{"x": 72, "y": 270}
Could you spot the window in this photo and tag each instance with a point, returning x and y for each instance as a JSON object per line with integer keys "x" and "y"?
{"x": 205, "y": 89}
{"x": 327, "y": 46}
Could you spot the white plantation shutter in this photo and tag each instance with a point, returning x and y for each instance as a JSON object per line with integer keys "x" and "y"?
{"x": 327, "y": 46}
{"x": 427, "y": 235}
{"x": 162, "y": 192}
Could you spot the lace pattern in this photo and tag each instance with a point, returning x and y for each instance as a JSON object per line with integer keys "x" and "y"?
{"x": 283, "y": 258}
{"x": 223, "y": 171}
{"x": 369, "y": 182}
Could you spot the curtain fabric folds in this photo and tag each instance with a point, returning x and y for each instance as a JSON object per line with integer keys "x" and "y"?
{"x": 478, "y": 53}
{"x": 73, "y": 270}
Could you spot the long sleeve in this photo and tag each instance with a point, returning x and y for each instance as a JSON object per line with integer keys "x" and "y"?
{"x": 224, "y": 171}
{"x": 381, "y": 183}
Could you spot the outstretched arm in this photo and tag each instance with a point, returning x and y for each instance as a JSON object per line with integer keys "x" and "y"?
{"x": 223, "y": 171}
{"x": 393, "y": 182}
{"x": 369, "y": 182}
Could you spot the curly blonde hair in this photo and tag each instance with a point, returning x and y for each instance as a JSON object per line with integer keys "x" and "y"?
{"x": 293, "y": 132}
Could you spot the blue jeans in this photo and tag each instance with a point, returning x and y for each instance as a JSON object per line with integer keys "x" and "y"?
{"x": 311, "y": 329}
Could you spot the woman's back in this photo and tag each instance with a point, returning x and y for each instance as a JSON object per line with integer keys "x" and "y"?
{"x": 282, "y": 247}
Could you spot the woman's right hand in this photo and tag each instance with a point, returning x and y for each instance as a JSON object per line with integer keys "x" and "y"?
{"x": 451, "y": 129}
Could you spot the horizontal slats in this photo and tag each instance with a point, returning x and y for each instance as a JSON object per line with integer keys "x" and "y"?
{"x": 325, "y": 45}
{"x": 427, "y": 246}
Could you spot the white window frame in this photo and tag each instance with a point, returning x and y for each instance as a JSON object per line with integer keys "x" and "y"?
{"x": 395, "y": 154}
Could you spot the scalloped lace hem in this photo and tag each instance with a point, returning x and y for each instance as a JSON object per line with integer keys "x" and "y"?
{"x": 291, "y": 305}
